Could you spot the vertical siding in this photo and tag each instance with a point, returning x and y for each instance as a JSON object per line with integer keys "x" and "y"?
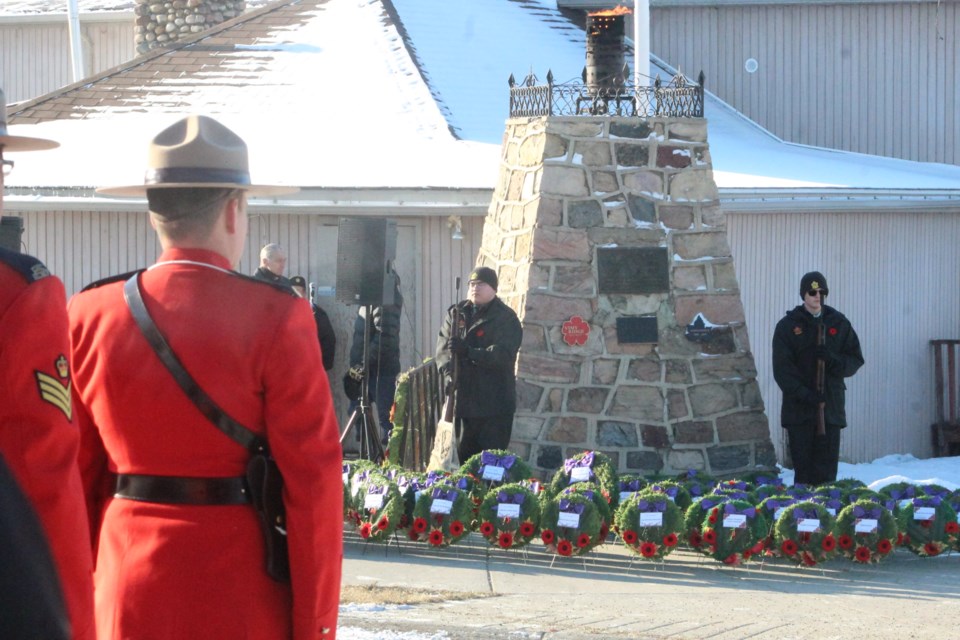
{"x": 894, "y": 275}
{"x": 35, "y": 58}
{"x": 873, "y": 78}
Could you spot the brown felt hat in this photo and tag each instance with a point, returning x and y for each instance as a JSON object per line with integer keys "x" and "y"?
{"x": 197, "y": 152}
{"x": 19, "y": 143}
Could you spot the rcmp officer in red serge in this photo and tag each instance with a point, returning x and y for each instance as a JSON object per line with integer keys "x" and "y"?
{"x": 38, "y": 430}
{"x": 180, "y": 553}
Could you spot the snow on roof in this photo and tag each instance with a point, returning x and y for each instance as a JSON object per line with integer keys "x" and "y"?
{"x": 376, "y": 93}
{"x": 28, "y": 7}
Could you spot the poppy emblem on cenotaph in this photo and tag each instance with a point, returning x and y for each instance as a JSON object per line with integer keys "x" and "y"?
{"x": 575, "y": 331}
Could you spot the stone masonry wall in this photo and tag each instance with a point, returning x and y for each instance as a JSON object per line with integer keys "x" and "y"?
{"x": 567, "y": 186}
{"x": 160, "y": 22}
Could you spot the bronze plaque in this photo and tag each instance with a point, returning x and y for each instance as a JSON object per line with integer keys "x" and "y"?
{"x": 633, "y": 270}
{"x": 637, "y": 329}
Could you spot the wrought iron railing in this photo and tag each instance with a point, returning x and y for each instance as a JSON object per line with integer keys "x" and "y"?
{"x": 678, "y": 98}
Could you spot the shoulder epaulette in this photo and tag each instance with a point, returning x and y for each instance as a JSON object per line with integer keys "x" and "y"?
{"x": 279, "y": 286}
{"x": 27, "y": 266}
{"x": 111, "y": 279}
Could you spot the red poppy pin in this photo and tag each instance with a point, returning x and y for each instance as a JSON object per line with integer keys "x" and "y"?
{"x": 797, "y": 331}
{"x": 832, "y": 331}
{"x": 480, "y": 332}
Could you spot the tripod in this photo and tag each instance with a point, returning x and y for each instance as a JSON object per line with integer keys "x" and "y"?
{"x": 364, "y": 417}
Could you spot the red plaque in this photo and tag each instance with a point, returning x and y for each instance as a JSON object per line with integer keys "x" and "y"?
{"x": 575, "y": 331}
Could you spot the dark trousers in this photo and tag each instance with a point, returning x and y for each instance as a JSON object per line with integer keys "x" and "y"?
{"x": 477, "y": 434}
{"x": 815, "y": 458}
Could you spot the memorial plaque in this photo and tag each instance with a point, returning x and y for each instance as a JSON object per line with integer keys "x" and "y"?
{"x": 637, "y": 329}
{"x": 633, "y": 270}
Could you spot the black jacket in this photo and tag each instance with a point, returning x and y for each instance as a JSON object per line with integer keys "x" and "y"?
{"x": 487, "y": 378}
{"x": 269, "y": 276}
{"x": 384, "y": 347}
{"x": 326, "y": 335}
{"x": 795, "y": 365}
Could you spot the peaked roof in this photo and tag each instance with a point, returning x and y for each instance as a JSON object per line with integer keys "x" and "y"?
{"x": 393, "y": 94}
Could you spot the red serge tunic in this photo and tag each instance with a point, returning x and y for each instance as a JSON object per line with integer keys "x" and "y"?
{"x": 187, "y": 571}
{"x": 38, "y": 434}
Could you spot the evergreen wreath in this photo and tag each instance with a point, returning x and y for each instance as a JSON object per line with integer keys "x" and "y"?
{"x": 673, "y": 490}
{"x": 649, "y": 524}
{"x": 694, "y": 516}
{"x": 733, "y": 532}
{"x": 379, "y": 507}
{"x": 866, "y": 531}
{"x": 863, "y": 493}
{"x": 569, "y": 524}
{"x": 901, "y": 492}
{"x": 928, "y": 524}
{"x": 496, "y": 467}
{"x": 697, "y": 483}
{"x": 628, "y": 485}
{"x": 509, "y": 516}
{"x": 410, "y": 484}
{"x": 954, "y": 501}
{"x": 600, "y": 501}
{"x": 937, "y": 490}
{"x": 804, "y": 534}
{"x": 587, "y": 466}
{"x": 764, "y": 478}
{"x": 354, "y": 472}
{"x": 442, "y": 515}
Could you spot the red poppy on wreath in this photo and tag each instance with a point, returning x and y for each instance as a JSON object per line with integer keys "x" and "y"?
{"x": 846, "y": 542}
{"x": 828, "y": 543}
{"x": 862, "y": 554}
{"x": 902, "y": 539}
{"x": 383, "y": 523}
{"x": 832, "y": 331}
{"x": 564, "y": 548}
{"x": 404, "y": 522}
{"x": 604, "y": 532}
{"x": 709, "y": 536}
{"x": 505, "y": 540}
{"x": 456, "y": 528}
{"x": 436, "y": 537}
{"x": 926, "y": 524}
{"x": 629, "y": 536}
{"x": 789, "y": 547}
{"x": 808, "y": 559}
{"x": 731, "y": 559}
{"x": 884, "y": 546}
{"x": 365, "y": 530}
{"x": 931, "y": 549}
{"x": 695, "y": 540}
{"x": 413, "y": 535}
{"x": 583, "y": 540}
{"x": 547, "y": 536}
{"x": 419, "y": 525}
{"x": 648, "y": 549}
{"x": 527, "y": 529}
{"x": 952, "y": 527}
{"x": 486, "y": 528}
{"x": 670, "y": 540}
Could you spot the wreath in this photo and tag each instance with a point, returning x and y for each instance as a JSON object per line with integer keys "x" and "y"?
{"x": 866, "y": 531}
{"x": 804, "y": 534}
{"x": 588, "y": 466}
{"x": 801, "y": 492}
{"x": 600, "y": 500}
{"x": 774, "y": 506}
{"x": 628, "y": 485}
{"x": 733, "y": 532}
{"x": 901, "y": 492}
{"x": 936, "y": 490}
{"x": 378, "y": 506}
{"x": 649, "y": 524}
{"x": 410, "y": 484}
{"x": 954, "y": 501}
{"x": 354, "y": 472}
{"x": 442, "y": 515}
{"x": 928, "y": 524}
{"x": 496, "y": 467}
{"x": 476, "y": 492}
{"x": 764, "y": 478}
{"x": 764, "y": 491}
{"x": 509, "y": 516}
{"x": 697, "y": 483}
{"x": 694, "y": 516}
{"x": 673, "y": 490}
{"x": 863, "y": 493}
{"x": 569, "y": 524}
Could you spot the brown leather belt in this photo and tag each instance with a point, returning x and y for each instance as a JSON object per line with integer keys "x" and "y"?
{"x": 178, "y": 490}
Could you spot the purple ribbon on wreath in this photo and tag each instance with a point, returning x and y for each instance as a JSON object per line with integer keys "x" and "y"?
{"x": 733, "y": 484}
{"x": 571, "y": 507}
{"x": 864, "y": 512}
{"x": 670, "y": 491}
{"x": 463, "y": 484}
{"x": 939, "y": 493}
{"x": 927, "y": 501}
{"x": 764, "y": 480}
{"x": 506, "y": 498}
{"x": 709, "y": 503}
{"x": 652, "y": 506}
{"x": 572, "y": 463}
{"x": 730, "y": 509}
{"x": 631, "y": 485}
{"x": 737, "y": 495}
{"x": 810, "y": 514}
{"x": 773, "y": 505}
{"x": 376, "y": 489}
{"x": 829, "y": 503}
{"x": 695, "y": 490}
{"x": 434, "y": 477}
{"x": 488, "y": 459}
{"x": 439, "y": 493}
{"x": 902, "y": 494}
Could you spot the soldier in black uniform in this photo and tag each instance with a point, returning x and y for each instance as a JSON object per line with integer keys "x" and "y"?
{"x": 325, "y": 333}
{"x": 795, "y": 356}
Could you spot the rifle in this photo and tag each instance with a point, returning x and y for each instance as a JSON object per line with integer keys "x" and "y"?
{"x": 448, "y": 407}
{"x": 821, "y": 375}
{"x": 443, "y": 454}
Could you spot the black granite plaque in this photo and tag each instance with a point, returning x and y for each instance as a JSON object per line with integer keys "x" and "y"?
{"x": 633, "y": 270}
{"x": 637, "y": 329}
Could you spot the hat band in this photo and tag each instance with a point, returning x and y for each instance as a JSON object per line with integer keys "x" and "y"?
{"x": 192, "y": 175}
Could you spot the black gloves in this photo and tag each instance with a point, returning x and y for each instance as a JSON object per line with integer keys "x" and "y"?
{"x": 457, "y": 346}
{"x": 831, "y": 361}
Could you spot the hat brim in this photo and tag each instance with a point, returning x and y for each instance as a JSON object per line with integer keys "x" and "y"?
{"x": 23, "y": 143}
{"x": 251, "y": 189}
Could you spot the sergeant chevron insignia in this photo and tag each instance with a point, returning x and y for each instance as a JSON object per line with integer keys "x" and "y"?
{"x": 53, "y": 390}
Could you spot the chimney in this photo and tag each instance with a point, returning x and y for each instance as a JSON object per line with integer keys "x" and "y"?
{"x": 162, "y": 22}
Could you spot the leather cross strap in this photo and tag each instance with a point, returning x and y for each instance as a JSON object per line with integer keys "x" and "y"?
{"x": 233, "y": 429}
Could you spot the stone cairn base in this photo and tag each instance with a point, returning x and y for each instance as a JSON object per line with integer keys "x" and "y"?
{"x": 159, "y": 23}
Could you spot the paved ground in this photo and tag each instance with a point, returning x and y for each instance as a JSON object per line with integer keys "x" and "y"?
{"x": 608, "y": 594}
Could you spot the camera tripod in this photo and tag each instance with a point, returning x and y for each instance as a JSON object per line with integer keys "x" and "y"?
{"x": 364, "y": 416}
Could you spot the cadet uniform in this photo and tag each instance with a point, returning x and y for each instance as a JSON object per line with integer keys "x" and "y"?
{"x": 38, "y": 432}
